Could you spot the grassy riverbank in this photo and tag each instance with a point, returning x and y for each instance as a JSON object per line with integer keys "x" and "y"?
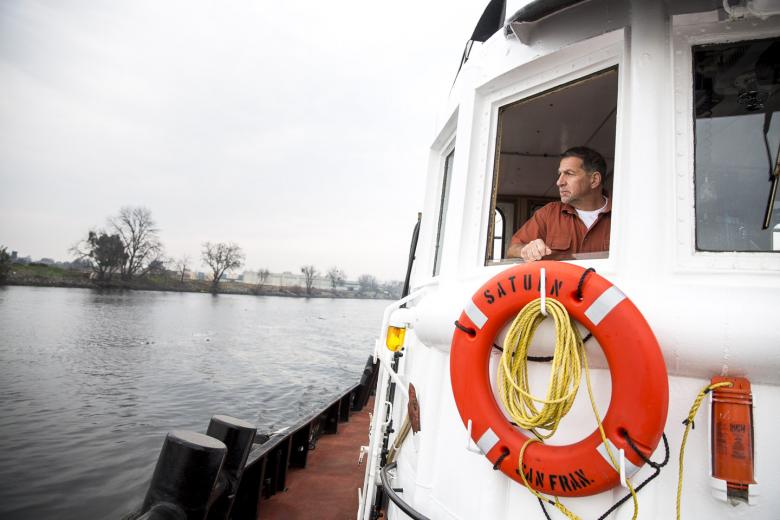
{"x": 50, "y": 276}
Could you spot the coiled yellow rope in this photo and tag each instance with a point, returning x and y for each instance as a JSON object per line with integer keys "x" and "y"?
{"x": 565, "y": 371}
{"x": 688, "y": 425}
{"x": 568, "y": 361}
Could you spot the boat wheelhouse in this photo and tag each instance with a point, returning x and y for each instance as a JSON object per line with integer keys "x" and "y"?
{"x": 682, "y": 100}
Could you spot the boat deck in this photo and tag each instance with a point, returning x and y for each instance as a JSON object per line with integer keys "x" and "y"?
{"x": 327, "y": 489}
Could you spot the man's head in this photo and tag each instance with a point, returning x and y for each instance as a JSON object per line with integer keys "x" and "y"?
{"x": 580, "y": 176}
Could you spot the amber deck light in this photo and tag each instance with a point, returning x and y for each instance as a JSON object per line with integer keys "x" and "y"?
{"x": 395, "y": 337}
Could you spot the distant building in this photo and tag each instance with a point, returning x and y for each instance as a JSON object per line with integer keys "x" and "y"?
{"x": 350, "y": 286}
{"x": 288, "y": 279}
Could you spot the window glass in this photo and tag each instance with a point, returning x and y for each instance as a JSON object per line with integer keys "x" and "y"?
{"x": 445, "y": 195}
{"x": 533, "y": 133}
{"x": 737, "y": 125}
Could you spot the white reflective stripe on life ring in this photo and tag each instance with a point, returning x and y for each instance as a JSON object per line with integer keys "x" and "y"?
{"x": 604, "y": 304}
{"x": 487, "y": 441}
{"x": 475, "y": 315}
{"x": 630, "y": 467}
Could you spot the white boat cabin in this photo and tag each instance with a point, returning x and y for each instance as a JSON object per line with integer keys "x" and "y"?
{"x": 682, "y": 98}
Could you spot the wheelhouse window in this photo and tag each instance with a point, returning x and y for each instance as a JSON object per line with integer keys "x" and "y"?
{"x": 737, "y": 125}
{"x": 445, "y": 195}
{"x": 533, "y": 132}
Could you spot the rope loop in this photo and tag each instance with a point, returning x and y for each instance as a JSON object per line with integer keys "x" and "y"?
{"x": 504, "y": 454}
{"x": 645, "y": 482}
{"x": 582, "y": 281}
{"x": 468, "y": 330}
{"x": 656, "y": 465}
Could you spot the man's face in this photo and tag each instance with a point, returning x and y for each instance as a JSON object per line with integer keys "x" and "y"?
{"x": 574, "y": 183}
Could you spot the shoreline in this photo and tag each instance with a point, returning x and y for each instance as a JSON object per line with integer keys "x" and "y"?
{"x": 44, "y": 276}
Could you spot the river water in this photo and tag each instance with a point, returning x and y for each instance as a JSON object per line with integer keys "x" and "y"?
{"x": 91, "y": 381}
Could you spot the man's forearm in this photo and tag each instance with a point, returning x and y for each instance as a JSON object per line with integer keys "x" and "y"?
{"x": 513, "y": 251}
{"x": 530, "y": 252}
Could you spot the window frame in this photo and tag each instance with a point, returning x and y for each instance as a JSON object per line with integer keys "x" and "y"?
{"x": 689, "y": 31}
{"x": 444, "y": 186}
{"x": 576, "y": 63}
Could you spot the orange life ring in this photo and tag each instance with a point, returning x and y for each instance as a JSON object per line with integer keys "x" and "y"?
{"x": 640, "y": 392}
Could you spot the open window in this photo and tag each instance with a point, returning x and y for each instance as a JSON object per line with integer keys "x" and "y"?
{"x": 532, "y": 134}
{"x": 736, "y": 102}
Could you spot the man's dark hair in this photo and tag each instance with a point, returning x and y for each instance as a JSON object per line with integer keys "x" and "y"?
{"x": 592, "y": 161}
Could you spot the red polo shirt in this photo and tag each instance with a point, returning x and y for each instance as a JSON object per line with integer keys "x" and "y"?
{"x": 564, "y": 232}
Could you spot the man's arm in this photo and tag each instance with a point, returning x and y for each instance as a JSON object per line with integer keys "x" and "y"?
{"x": 530, "y": 252}
{"x": 515, "y": 250}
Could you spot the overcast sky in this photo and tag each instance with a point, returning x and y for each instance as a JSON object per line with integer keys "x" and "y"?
{"x": 298, "y": 130}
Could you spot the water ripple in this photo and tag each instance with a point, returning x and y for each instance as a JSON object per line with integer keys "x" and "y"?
{"x": 92, "y": 381}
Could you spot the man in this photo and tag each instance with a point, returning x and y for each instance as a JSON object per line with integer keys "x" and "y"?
{"x": 580, "y": 222}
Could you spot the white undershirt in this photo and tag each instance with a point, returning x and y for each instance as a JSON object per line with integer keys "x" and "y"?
{"x": 589, "y": 217}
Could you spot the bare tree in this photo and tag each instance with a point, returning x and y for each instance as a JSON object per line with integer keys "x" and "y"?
{"x": 221, "y": 257}
{"x": 182, "y": 264}
{"x": 368, "y": 283}
{"x": 336, "y": 277}
{"x": 309, "y": 272}
{"x": 139, "y": 234}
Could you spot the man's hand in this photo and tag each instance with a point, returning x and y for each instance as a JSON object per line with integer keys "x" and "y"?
{"x": 534, "y": 250}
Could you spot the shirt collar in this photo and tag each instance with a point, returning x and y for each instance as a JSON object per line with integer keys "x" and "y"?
{"x": 568, "y": 208}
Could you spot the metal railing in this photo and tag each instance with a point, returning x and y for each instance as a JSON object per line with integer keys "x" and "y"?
{"x": 230, "y": 470}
